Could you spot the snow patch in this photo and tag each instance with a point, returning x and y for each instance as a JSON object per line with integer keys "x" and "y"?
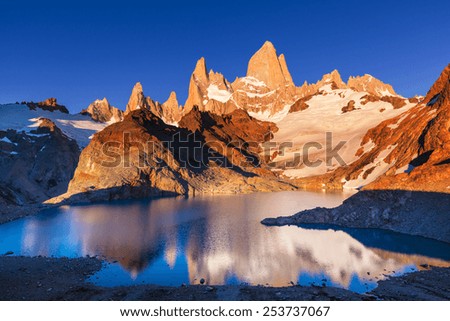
{"x": 384, "y": 92}
{"x": 253, "y": 95}
{"x": 6, "y": 140}
{"x": 325, "y": 115}
{"x": 377, "y": 168}
{"x": 218, "y": 94}
{"x": 252, "y": 81}
{"x": 21, "y": 118}
{"x": 405, "y": 169}
{"x": 394, "y": 126}
{"x": 367, "y": 147}
{"x": 267, "y": 116}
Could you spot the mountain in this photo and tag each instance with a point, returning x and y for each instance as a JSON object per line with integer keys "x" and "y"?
{"x": 171, "y": 110}
{"x": 408, "y": 151}
{"x": 265, "y": 66}
{"x": 259, "y": 133}
{"x": 35, "y": 165}
{"x": 421, "y": 159}
{"x": 143, "y": 156}
{"x": 39, "y": 150}
{"x": 328, "y": 113}
{"x": 266, "y": 89}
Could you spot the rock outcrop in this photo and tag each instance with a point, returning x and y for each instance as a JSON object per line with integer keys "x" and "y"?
{"x": 128, "y": 160}
{"x": 101, "y": 111}
{"x": 50, "y": 104}
{"x": 416, "y": 213}
{"x": 170, "y": 112}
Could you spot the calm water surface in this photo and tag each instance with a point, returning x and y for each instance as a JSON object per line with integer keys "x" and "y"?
{"x": 171, "y": 241}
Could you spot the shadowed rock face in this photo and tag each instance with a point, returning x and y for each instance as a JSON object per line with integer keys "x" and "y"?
{"x": 128, "y": 159}
{"x": 143, "y": 156}
{"x": 36, "y": 165}
{"x": 417, "y": 213}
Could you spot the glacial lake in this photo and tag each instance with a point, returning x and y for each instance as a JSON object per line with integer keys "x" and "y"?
{"x": 171, "y": 241}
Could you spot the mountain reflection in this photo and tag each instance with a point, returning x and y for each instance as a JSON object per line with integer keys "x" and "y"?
{"x": 219, "y": 239}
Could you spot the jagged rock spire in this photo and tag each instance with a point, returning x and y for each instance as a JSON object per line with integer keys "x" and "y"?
{"x": 137, "y": 99}
{"x": 264, "y": 65}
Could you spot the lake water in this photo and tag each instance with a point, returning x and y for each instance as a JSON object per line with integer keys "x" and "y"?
{"x": 170, "y": 241}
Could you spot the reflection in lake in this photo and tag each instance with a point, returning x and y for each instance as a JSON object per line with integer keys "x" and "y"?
{"x": 172, "y": 241}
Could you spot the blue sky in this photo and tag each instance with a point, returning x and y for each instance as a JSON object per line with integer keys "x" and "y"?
{"x": 80, "y": 51}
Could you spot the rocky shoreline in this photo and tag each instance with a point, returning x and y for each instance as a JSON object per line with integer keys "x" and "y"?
{"x": 40, "y": 278}
{"x": 10, "y": 212}
{"x": 416, "y": 213}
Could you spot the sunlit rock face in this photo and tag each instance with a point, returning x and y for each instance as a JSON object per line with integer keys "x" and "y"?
{"x": 266, "y": 90}
{"x": 36, "y": 164}
{"x": 101, "y": 111}
{"x": 267, "y": 67}
{"x": 407, "y": 152}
